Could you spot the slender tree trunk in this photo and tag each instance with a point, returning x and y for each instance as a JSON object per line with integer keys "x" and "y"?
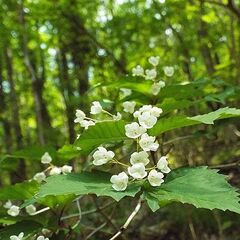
{"x": 204, "y": 48}
{"x": 67, "y": 92}
{"x": 21, "y": 170}
{"x": 42, "y": 115}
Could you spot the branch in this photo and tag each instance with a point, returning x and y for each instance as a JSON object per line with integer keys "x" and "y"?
{"x": 130, "y": 218}
{"x": 224, "y": 166}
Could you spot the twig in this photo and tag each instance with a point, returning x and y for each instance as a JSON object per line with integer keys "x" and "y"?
{"x": 96, "y": 230}
{"x": 229, "y": 165}
{"x": 130, "y": 218}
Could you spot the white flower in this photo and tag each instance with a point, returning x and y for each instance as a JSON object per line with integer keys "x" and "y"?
{"x": 126, "y": 92}
{"x": 13, "y": 211}
{"x": 137, "y": 171}
{"x": 155, "y": 111}
{"x": 147, "y": 120}
{"x": 96, "y": 108}
{"x": 66, "y": 169}
{"x": 117, "y": 117}
{"x": 154, "y": 60}
{"x": 147, "y": 143}
{"x": 156, "y": 87}
{"x": 86, "y": 123}
{"x": 102, "y": 156}
{"x": 129, "y": 107}
{"x": 19, "y": 237}
{"x": 42, "y": 238}
{"x": 45, "y": 231}
{"x": 31, "y": 209}
{"x": 168, "y": 71}
{"x": 46, "y": 158}
{"x": 55, "y": 171}
{"x": 8, "y": 204}
{"x": 138, "y": 71}
{"x": 39, "y": 177}
{"x": 139, "y": 157}
{"x": 134, "y": 130}
{"x": 120, "y": 181}
{"x": 136, "y": 114}
{"x": 80, "y": 115}
{"x": 162, "y": 165}
{"x": 151, "y": 74}
{"x": 155, "y": 178}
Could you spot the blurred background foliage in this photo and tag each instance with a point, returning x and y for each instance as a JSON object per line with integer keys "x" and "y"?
{"x": 60, "y": 55}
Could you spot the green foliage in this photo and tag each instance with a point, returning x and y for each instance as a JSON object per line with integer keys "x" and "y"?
{"x": 84, "y": 183}
{"x": 199, "y": 186}
{"x": 102, "y": 132}
{"x": 19, "y": 191}
{"x": 27, "y": 227}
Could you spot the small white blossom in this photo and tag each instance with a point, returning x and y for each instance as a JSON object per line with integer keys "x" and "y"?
{"x": 96, "y": 108}
{"x": 55, "y": 171}
{"x": 129, "y": 107}
{"x": 102, "y": 156}
{"x": 156, "y": 87}
{"x": 19, "y": 237}
{"x": 155, "y": 178}
{"x": 86, "y": 123}
{"x": 138, "y": 71}
{"x": 126, "y": 91}
{"x": 162, "y": 165}
{"x": 168, "y": 71}
{"x": 46, "y": 158}
{"x": 139, "y": 157}
{"x": 39, "y": 177}
{"x": 45, "y": 231}
{"x": 66, "y": 169}
{"x": 8, "y": 204}
{"x": 13, "y": 211}
{"x": 120, "y": 181}
{"x": 31, "y": 209}
{"x": 80, "y": 115}
{"x": 147, "y": 143}
{"x": 155, "y": 111}
{"x": 117, "y": 117}
{"x": 42, "y": 238}
{"x": 154, "y": 60}
{"x": 151, "y": 74}
{"x": 136, "y": 114}
{"x": 147, "y": 120}
{"x": 134, "y": 130}
{"x": 137, "y": 171}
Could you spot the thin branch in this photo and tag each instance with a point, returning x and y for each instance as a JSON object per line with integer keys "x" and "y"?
{"x": 130, "y": 218}
{"x": 229, "y": 165}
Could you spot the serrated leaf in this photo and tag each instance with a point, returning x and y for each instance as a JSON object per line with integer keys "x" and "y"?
{"x": 27, "y": 227}
{"x": 167, "y": 124}
{"x": 84, "y": 183}
{"x": 200, "y": 186}
{"x": 102, "y": 132}
{"x": 19, "y": 191}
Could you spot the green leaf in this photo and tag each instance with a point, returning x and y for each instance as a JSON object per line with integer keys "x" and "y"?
{"x": 102, "y": 132}
{"x": 84, "y": 183}
{"x": 199, "y": 186}
{"x": 167, "y": 124}
{"x": 27, "y": 227}
{"x": 221, "y": 113}
{"x": 19, "y": 191}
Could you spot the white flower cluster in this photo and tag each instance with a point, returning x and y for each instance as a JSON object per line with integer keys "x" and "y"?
{"x": 21, "y": 235}
{"x": 147, "y": 117}
{"x": 151, "y": 74}
{"x": 96, "y": 108}
{"x": 53, "y": 170}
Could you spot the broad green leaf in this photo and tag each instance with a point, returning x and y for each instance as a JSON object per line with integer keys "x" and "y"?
{"x": 102, "y": 132}
{"x": 221, "y": 113}
{"x": 27, "y": 227}
{"x": 84, "y": 183}
{"x": 200, "y": 186}
{"x": 167, "y": 124}
{"x": 19, "y": 191}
